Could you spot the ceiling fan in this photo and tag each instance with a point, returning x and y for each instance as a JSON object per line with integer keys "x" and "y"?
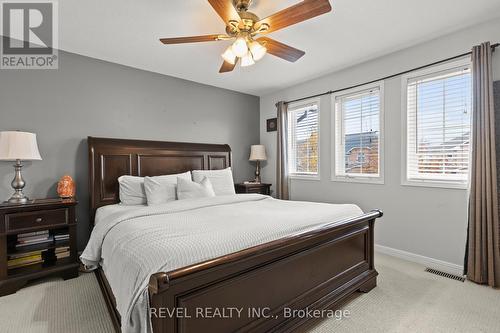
{"x": 244, "y": 27}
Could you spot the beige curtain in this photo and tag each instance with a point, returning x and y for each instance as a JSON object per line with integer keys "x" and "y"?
{"x": 282, "y": 158}
{"x": 483, "y": 255}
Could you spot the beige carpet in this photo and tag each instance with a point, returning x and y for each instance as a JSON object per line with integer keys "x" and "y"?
{"x": 56, "y": 306}
{"x": 407, "y": 299}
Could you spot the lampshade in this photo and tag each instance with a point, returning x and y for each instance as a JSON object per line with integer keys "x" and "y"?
{"x": 18, "y": 146}
{"x": 257, "y": 153}
{"x": 247, "y": 60}
{"x": 258, "y": 51}
{"x": 240, "y": 47}
{"x": 229, "y": 56}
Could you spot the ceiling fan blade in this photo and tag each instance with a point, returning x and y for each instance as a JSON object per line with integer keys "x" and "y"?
{"x": 228, "y": 67}
{"x": 193, "y": 39}
{"x": 225, "y": 9}
{"x": 281, "y": 50}
{"x": 302, "y": 11}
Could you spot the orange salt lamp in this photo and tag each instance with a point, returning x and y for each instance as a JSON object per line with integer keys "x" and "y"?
{"x": 66, "y": 187}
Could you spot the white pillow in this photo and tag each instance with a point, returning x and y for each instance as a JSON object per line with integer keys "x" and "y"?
{"x": 162, "y": 189}
{"x": 187, "y": 189}
{"x": 132, "y": 191}
{"x": 222, "y": 180}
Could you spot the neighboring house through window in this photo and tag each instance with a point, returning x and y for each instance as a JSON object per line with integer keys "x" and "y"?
{"x": 358, "y": 125}
{"x": 437, "y": 125}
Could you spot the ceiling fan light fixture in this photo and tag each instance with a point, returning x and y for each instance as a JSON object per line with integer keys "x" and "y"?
{"x": 247, "y": 60}
{"x": 229, "y": 56}
{"x": 258, "y": 50}
{"x": 243, "y": 28}
{"x": 240, "y": 47}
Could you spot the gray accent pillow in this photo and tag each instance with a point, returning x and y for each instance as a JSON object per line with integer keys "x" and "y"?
{"x": 187, "y": 189}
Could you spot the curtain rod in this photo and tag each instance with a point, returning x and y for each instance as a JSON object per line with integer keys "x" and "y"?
{"x": 493, "y": 47}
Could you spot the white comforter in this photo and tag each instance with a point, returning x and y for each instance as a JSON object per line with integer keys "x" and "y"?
{"x": 131, "y": 245}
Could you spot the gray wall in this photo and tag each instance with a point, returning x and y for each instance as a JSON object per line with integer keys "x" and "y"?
{"x": 426, "y": 221}
{"x": 91, "y": 97}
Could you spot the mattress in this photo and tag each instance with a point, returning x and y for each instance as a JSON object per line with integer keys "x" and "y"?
{"x": 130, "y": 244}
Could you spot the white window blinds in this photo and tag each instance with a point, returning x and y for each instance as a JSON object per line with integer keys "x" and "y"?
{"x": 303, "y": 139}
{"x": 358, "y": 133}
{"x": 439, "y": 126}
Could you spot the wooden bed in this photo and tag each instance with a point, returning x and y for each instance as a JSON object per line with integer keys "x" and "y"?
{"x": 314, "y": 270}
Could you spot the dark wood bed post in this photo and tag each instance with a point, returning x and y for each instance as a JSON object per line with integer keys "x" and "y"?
{"x": 314, "y": 270}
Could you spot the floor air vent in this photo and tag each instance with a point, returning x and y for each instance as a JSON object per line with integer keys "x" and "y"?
{"x": 446, "y": 275}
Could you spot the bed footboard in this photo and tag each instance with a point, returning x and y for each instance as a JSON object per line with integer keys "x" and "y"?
{"x": 274, "y": 286}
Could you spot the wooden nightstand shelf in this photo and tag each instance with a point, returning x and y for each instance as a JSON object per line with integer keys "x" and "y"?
{"x": 50, "y": 218}
{"x": 253, "y": 188}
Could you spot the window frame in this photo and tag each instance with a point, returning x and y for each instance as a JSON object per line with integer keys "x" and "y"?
{"x": 431, "y": 71}
{"x": 336, "y": 116}
{"x": 292, "y": 107}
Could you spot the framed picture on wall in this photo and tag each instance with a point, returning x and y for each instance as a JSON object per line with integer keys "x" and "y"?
{"x": 272, "y": 124}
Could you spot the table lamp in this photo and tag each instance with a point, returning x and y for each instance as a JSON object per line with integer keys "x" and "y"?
{"x": 18, "y": 146}
{"x": 257, "y": 153}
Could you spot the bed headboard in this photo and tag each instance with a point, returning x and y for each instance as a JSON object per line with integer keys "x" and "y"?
{"x": 112, "y": 158}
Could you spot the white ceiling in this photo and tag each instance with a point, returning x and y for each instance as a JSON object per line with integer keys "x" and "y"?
{"x": 127, "y": 32}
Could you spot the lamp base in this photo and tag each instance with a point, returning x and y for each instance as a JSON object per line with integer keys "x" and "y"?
{"x": 18, "y": 184}
{"x": 257, "y": 173}
{"x": 18, "y": 200}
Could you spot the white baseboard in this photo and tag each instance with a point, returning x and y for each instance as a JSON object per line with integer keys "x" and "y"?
{"x": 419, "y": 259}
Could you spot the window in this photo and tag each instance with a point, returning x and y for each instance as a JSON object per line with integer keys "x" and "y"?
{"x": 438, "y": 125}
{"x": 303, "y": 139}
{"x": 358, "y": 122}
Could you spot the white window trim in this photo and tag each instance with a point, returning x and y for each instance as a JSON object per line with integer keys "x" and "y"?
{"x": 334, "y": 115}
{"x": 404, "y": 127}
{"x": 299, "y": 105}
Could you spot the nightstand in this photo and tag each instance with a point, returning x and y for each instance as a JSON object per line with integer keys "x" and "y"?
{"x": 37, "y": 239}
{"x": 253, "y": 188}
